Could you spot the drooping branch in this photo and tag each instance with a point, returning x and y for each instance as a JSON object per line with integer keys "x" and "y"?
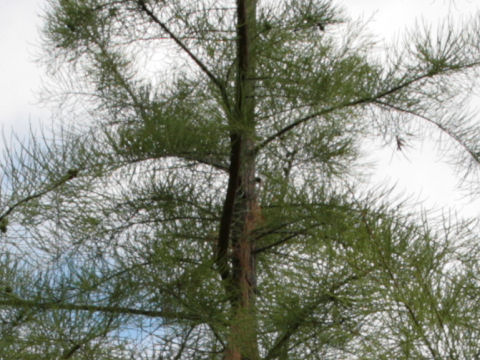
{"x": 360, "y": 101}
{"x": 412, "y": 314}
{"x": 431, "y": 121}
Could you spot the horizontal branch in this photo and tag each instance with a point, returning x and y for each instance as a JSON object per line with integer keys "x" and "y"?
{"x": 186, "y": 157}
{"x": 15, "y": 302}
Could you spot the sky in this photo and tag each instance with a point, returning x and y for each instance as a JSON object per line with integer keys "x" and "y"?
{"x": 418, "y": 172}
{"x": 20, "y": 75}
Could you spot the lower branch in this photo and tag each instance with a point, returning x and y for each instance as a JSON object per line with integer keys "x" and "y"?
{"x": 16, "y": 302}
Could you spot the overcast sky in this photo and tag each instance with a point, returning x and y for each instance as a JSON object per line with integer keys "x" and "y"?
{"x": 20, "y": 77}
{"x": 419, "y": 171}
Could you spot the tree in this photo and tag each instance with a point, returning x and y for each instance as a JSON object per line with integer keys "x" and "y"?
{"x": 208, "y": 207}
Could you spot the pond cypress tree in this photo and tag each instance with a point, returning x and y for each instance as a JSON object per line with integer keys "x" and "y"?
{"x": 206, "y": 205}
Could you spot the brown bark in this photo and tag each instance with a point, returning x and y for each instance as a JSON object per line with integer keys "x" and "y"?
{"x": 237, "y": 266}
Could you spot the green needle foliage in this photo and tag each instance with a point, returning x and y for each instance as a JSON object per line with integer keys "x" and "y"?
{"x": 140, "y": 229}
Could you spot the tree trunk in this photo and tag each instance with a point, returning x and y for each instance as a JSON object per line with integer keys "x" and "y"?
{"x": 243, "y": 341}
{"x": 241, "y": 200}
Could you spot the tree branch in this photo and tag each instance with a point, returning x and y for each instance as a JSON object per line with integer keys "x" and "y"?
{"x": 277, "y": 243}
{"x": 399, "y": 288}
{"x": 16, "y": 302}
{"x": 71, "y": 174}
{"x": 450, "y": 133}
{"x": 192, "y": 56}
{"x": 186, "y": 157}
{"x": 307, "y": 310}
{"x": 360, "y": 101}
{"x": 71, "y": 352}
